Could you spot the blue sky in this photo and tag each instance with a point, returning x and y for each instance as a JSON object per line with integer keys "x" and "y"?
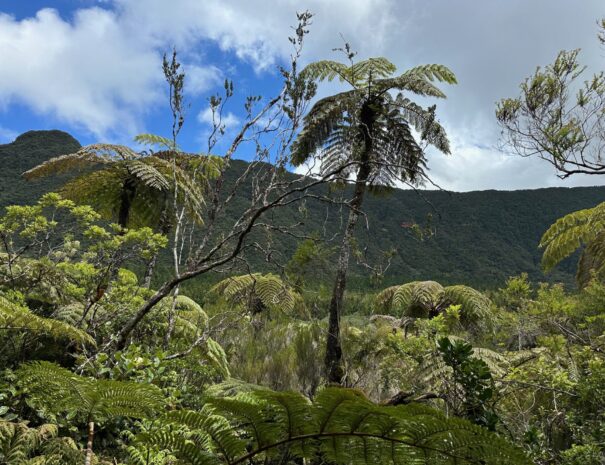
{"x": 92, "y": 68}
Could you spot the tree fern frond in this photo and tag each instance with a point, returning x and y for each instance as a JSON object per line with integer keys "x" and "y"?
{"x": 324, "y": 118}
{"x": 384, "y": 299}
{"x": 14, "y": 317}
{"x": 63, "y": 390}
{"x": 326, "y": 70}
{"x": 475, "y": 306}
{"x": 584, "y": 227}
{"x": 340, "y": 426}
{"x": 426, "y": 299}
{"x": 147, "y": 174}
{"x": 19, "y": 442}
{"x": 377, "y": 67}
{"x": 217, "y": 357}
{"x": 154, "y": 140}
{"x": 86, "y": 157}
{"x": 257, "y": 292}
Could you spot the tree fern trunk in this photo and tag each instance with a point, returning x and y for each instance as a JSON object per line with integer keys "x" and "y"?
{"x": 91, "y": 435}
{"x": 126, "y": 198}
{"x": 333, "y": 361}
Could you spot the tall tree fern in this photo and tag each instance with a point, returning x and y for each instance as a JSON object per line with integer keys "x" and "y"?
{"x": 129, "y": 187}
{"x": 367, "y": 132}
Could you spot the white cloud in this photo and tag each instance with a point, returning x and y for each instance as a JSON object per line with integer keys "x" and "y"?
{"x": 200, "y": 79}
{"x": 99, "y": 69}
{"x": 90, "y": 72}
{"x": 228, "y": 120}
{"x": 257, "y": 30}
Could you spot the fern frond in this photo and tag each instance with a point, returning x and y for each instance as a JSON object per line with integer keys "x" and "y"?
{"x": 326, "y": 70}
{"x": 424, "y": 299}
{"x": 580, "y": 228}
{"x": 14, "y": 317}
{"x": 154, "y": 140}
{"x": 377, "y": 67}
{"x": 215, "y": 354}
{"x": 475, "y": 306}
{"x": 19, "y": 442}
{"x": 340, "y": 426}
{"x": 384, "y": 299}
{"x": 88, "y": 156}
{"x": 322, "y": 122}
{"x": 257, "y": 291}
{"x": 62, "y": 390}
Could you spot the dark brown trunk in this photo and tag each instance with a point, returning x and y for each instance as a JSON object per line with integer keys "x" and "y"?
{"x": 333, "y": 361}
{"x": 126, "y": 198}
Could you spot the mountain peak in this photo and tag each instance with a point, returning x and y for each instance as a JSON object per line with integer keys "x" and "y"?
{"x": 53, "y": 136}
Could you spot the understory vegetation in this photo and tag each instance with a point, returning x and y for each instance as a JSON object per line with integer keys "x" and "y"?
{"x": 138, "y": 327}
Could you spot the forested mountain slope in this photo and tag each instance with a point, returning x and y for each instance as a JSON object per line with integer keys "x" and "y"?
{"x": 480, "y": 238}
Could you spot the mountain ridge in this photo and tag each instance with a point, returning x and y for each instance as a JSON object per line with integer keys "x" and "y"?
{"x": 481, "y": 237}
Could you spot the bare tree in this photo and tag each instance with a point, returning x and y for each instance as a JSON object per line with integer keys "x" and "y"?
{"x": 270, "y": 127}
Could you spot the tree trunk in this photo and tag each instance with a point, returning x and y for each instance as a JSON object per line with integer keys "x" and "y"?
{"x": 171, "y": 318}
{"x": 164, "y": 229}
{"x": 91, "y": 435}
{"x": 126, "y": 198}
{"x": 333, "y": 361}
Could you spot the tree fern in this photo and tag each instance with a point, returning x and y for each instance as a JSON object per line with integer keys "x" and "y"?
{"x": 366, "y": 133}
{"x": 426, "y": 299}
{"x": 128, "y": 186}
{"x": 257, "y": 292}
{"x": 340, "y": 426}
{"x": 14, "y": 317}
{"x": 569, "y": 233}
{"x": 58, "y": 390}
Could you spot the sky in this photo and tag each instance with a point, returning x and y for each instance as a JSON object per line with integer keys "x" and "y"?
{"x": 93, "y": 67}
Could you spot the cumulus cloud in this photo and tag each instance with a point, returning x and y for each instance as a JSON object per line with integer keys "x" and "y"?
{"x": 256, "y": 30}
{"x": 98, "y": 69}
{"x": 89, "y": 72}
{"x": 228, "y": 120}
{"x": 200, "y": 79}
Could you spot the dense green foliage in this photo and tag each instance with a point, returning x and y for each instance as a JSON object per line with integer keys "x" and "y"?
{"x": 489, "y": 235}
{"x": 100, "y": 364}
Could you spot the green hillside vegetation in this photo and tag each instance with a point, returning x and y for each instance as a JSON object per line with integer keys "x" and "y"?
{"x": 147, "y": 319}
{"x": 480, "y": 238}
